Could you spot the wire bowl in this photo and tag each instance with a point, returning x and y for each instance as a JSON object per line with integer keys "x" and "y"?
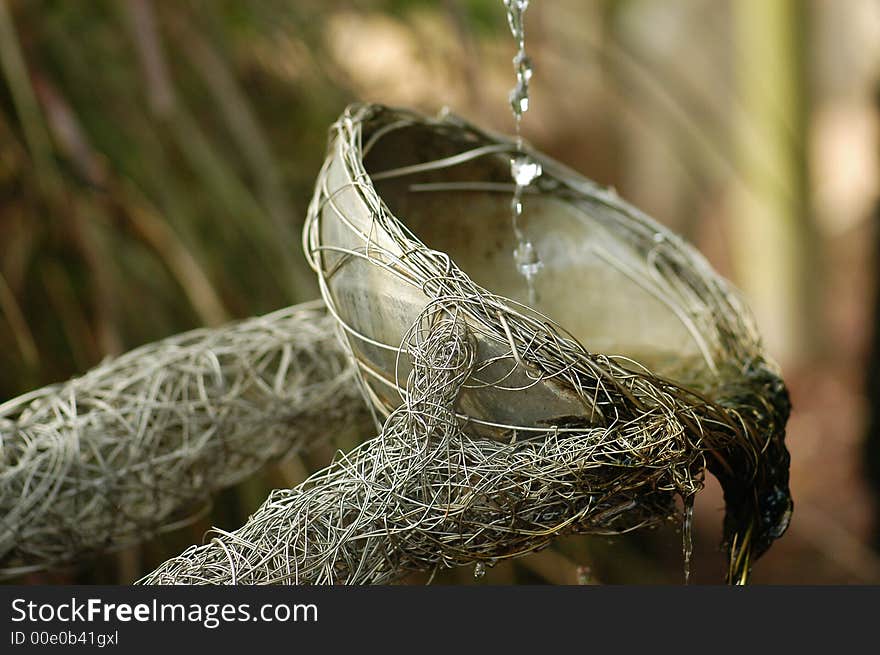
{"x": 633, "y": 337}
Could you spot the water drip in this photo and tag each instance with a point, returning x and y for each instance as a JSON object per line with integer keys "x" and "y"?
{"x": 687, "y": 535}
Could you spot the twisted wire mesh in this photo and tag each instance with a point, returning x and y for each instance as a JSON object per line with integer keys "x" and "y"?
{"x": 724, "y": 409}
{"x": 424, "y": 495}
{"x": 132, "y": 446}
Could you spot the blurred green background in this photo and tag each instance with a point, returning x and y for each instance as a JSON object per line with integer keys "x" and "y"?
{"x": 157, "y": 158}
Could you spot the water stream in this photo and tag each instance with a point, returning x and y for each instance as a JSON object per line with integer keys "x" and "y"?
{"x": 523, "y": 169}
{"x": 687, "y": 535}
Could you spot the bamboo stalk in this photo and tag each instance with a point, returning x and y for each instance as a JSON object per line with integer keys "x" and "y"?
{"x": 775, "y": 245}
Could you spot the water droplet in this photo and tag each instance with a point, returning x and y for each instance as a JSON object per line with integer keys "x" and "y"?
{"x": 479, "y": 570}
{"x": 523, "y": 65}
{"x": 527, "y": 260}
{"x": 515, "y": 10}
{"x": 687, "y": 537}
{"x": 519, "y": 99}
{"x": 524, "y": 170}
{"x": 516, "y": 207}
{"x": 659, "y": 237}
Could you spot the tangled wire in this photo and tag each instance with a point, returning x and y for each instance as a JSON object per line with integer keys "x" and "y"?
{"x": 423, "y": 495}
{"x": 134, "y": 445}
{"x": 503, "y": 430}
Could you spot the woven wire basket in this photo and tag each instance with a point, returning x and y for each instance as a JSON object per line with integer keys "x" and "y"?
{"x": 633, "y": 343}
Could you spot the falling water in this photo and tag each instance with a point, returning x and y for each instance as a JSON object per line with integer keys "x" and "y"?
{"x": 519, "y": 95}
{"x": 523, "y": 169}
{"x": 687, "y": 535}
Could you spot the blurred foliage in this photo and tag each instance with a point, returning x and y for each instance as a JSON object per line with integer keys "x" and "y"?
{"x": 159, "y": 191}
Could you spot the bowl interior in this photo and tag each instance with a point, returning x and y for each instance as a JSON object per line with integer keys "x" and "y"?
{"x": 595, "y": 280}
